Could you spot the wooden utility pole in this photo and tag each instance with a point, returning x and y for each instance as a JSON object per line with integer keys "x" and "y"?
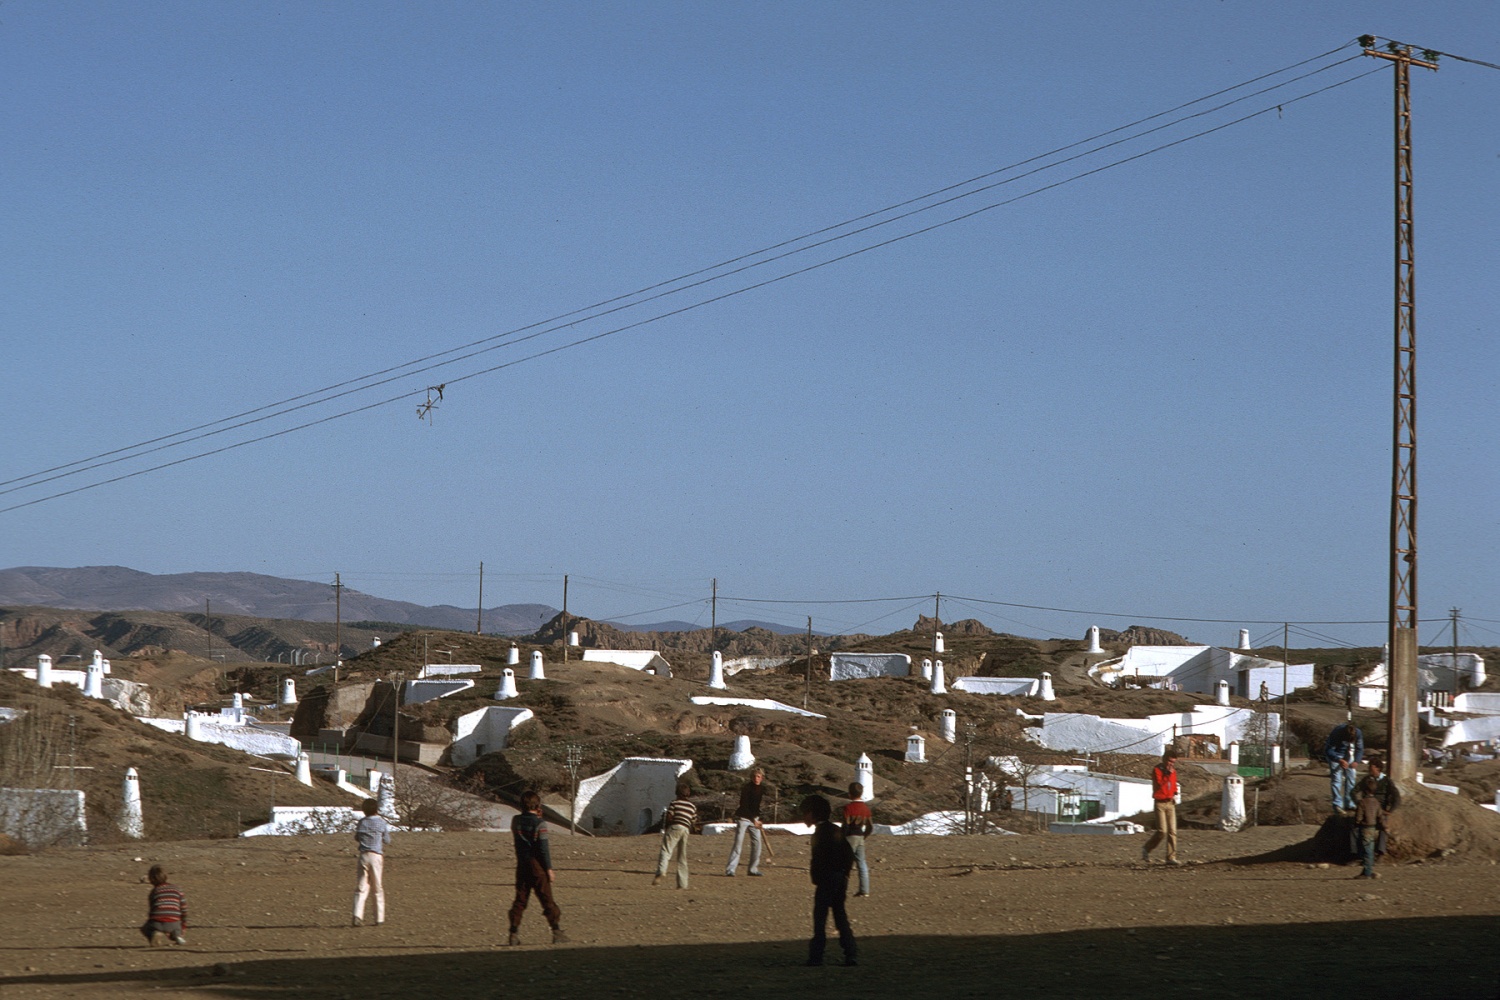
{"x": 207, "y": 630}
{"x": 1402, "y": 668}
{"x": 565, "y": 618}
{"x": 1453, "y": 613}
{"x": 338, "y": 627}
{"x": 479, "y": 622}
{"x": 713, "y": 619}
{"x": 807, "y": 688}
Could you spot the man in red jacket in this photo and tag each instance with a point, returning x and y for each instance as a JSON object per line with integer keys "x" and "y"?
{"x": 1164, "y": 794}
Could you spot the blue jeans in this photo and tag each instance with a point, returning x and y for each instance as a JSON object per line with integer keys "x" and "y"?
{"x": 857, "y": 845}
{"x": 1368, "y": 836}
{"x": 1341, "y": 785}
{"x": 740, "y": 826}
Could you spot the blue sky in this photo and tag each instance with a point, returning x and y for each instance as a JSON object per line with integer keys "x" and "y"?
{"x": 1159, "y": 391}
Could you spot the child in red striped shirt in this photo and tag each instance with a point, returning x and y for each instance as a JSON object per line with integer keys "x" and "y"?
{"x": 166, "y": 915}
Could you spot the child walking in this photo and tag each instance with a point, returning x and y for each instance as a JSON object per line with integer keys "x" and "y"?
{"x": 831, "y": 861}
{"x": 166, "y": 910}
{"x": 371, "y": 835}
{"x": 533, "y": 868}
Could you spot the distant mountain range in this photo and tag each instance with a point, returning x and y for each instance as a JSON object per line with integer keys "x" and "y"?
{"x": 118, "y": 588}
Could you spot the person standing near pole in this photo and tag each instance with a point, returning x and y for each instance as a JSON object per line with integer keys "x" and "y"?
{"x": 747, "y": 819}
{"x": 859, "y": 823}
{"x": 1344, "y": 750}
{"x": 1164, "y": 796}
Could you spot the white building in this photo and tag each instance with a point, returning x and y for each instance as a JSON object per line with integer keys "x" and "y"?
{"x": 478, "y": 733}
{"x": 628, "y": 799}
{"x": 853, "y": 666}
{"x": 1200, "y": 668}
{"x": 1081, "y": 733}
{"x": 1072, "y": 790}
{"x": 635, "y": 659}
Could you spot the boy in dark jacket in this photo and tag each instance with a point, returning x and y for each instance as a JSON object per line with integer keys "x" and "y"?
{"x": 533, "y": 868}
{"x": 1368, "y": 820}
{"x": 831, "y": 861}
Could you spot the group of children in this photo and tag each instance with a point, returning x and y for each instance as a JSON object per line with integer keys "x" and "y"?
{"x": 834, "y": 852}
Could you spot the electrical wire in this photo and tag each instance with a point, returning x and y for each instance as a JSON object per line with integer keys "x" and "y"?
{"x": 754, "y": 286}
{"x": 680, "y": 278}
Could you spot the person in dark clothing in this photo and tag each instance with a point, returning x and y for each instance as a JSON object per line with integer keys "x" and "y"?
{"x": 747, "y": 820}
{"x": 829, "y": 868}
{"x": 533, "y": 868}
{"x": 1389, "y": 797}
{"x": 1369, "y": 820}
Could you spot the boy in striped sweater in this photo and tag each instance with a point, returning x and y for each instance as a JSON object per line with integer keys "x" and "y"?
{"x": 676, "y": 824}
{"x": 166, "y": 915}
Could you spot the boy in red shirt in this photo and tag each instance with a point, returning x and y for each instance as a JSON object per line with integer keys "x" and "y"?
{"x": 859, "y": 823}
{"x": 1164, "y": 795}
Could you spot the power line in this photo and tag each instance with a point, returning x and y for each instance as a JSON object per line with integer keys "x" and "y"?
{"x": 668, "y": 282}
{"x": 651, "y": 319}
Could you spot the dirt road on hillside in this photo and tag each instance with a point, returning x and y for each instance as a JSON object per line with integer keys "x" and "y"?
{"x": 1035, "y": 916}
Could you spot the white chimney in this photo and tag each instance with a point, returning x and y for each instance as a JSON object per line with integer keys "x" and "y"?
{"x": 538, "y": 671}
{"x": 742, "y": 759}
{"x": 716, "y": 672}
{"x": 864, "y": 773}
{"x": 132, "y": 824}
{"x": 507, "y": 685}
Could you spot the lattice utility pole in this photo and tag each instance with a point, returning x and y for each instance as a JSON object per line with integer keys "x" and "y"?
{"x": 1402, "y": 665}
{"x": 575, "y": 758}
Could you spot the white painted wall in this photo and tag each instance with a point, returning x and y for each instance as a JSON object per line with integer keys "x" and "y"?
{"x": 855, "y": 666}
{"x": 1018, "y": 687}
{"x": 43, "y": 817}
{"x": 765, "y": 703}
{"x": 630, "y": 797}
{"x": 432, "y": 670}
{"x": 635, "y": 659}
{"x": 478, "y": 733}
{"x": 290, "y": 821}
{"x": 417, "y": 692}
{"x": 738, "y": 663}
{"x": 1093, "y": 734}
{"x": 1200, "y": 668}
{"x": 1116, "y": 794}
{"x": 1477, "y": 703}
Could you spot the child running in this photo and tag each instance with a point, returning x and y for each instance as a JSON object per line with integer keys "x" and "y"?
{"x": 166, "y": 910}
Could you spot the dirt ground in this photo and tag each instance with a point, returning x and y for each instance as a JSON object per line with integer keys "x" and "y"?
{"x": 1033, "y": 916}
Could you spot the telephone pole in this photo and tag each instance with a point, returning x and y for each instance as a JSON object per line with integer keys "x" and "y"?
{"x": 1402, "y": 669}
{"x": 565, "y": 618}
{"x": 1453, "y": 613}
{"x": 479, "y": 622}
{"x": 338, "y": 627}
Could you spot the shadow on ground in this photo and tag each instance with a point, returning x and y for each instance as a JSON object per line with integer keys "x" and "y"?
{"x": 1449, "y": 957}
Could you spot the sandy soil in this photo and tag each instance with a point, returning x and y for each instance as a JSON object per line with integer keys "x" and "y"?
{"x": 1034, "y": 916}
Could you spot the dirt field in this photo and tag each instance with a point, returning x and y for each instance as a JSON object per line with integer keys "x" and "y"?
{"x": 1035, "y": 916}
